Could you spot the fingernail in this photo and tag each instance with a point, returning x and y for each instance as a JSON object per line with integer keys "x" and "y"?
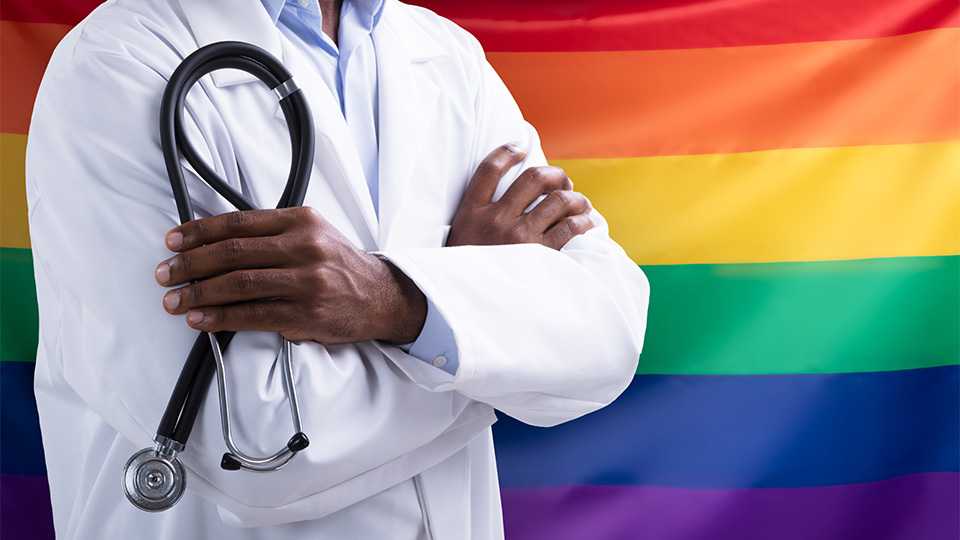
{"x": 514, "y": 148}
{"x": 163, "y": 273}
{"x": 174, "y": 239}
{"x": 171, "y": 300}
{"x": 195, "y": 317}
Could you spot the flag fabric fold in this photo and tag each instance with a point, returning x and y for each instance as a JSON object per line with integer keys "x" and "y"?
{"x": 787, "y": 173}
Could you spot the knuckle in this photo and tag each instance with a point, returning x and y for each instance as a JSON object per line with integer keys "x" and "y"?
{"x": 553, "y": 176}
{"x": 507, "y": 149}
{"x": 196, "y": 230}
{"x": 182, "y": 265}
{"x": 315, "y": 247}
{"x": 194, "y": 294}
{"x": 562, "y": 198}
{"x": 235, "y": 220}
{"x": 246, "y": 281}
{"x": 317, "y": 278}
{"x": 488, "y": 167}
{"x": 544, "y": 176}
{"x": 231, "y": 250}
{"x": 311, "y": 311}
{"x": 538, "y": 175}
{"x": 577, "y": 201}
{"x": 308, "y": 214}
{"x": 257, "y": 311}
{"x": 212, "y": 320}
{"x": 577, "y": 226}
{"x": 518, "y": 235}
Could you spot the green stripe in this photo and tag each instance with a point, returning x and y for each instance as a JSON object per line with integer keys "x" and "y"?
{"x": 18, "y": 306}
{"x": 815, "y": 317}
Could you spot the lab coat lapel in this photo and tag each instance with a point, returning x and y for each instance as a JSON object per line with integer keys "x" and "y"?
{"x": 232, "y": 20}
{"x": 336, "y": 158}
{"x": 405, "y": 109}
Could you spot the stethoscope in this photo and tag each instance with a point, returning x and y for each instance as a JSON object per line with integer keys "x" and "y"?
{"x": 154, "y": 478}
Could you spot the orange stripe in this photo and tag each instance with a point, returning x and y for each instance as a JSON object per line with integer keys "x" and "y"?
{"x": 26, "y": 48}
{"x": 618, "y": 104}
{"x": 901, "y": 89}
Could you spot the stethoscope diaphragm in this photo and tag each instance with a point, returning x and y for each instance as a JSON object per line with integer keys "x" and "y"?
{"x": 153, "y": 482}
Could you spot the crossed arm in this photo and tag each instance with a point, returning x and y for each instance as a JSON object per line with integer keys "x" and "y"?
{"x": 291, "y": 272}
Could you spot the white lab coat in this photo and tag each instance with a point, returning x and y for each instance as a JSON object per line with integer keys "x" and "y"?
{"x": 544, "y": 336}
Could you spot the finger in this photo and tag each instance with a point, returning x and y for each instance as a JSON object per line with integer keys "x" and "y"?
{"x": 556, "y": 206}
{"x": 220, "y": 258}
{"x": 265, "y": 316}
{"x": 239, "y": 286}
{"x": 557, "y": 236}
{"x": 532, "y": 183}
{"x": 243, "y": 224}
{"x": 484, "y": 182}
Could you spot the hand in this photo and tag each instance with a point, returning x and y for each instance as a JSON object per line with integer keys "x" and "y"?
{"x": 563, "y": 214}
{"x": 286, "y": 271}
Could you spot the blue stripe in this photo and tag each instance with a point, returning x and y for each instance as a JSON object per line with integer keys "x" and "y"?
{"x": 21, "y": 451}
{"x": 689, "y": 431}
{"x": 748, "y": 431}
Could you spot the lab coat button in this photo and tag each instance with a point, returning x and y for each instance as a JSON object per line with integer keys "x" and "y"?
{"x": 440, "y": 361}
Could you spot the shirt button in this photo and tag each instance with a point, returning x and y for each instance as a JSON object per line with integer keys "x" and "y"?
{"x": 304, "y": 3}
{"x": 440, "y": 361}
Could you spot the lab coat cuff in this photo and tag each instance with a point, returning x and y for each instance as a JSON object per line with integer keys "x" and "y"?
{"x": 439, "y": 337}
{"x": 436, "y": 344}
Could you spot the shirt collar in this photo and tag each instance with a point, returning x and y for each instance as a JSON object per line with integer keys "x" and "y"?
{"x": 274, "y": 7}
{"x": 368, "y": 11}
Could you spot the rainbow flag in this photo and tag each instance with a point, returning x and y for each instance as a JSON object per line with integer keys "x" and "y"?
{"x": 787, "y": 172}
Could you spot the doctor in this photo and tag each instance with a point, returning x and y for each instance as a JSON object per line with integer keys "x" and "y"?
{"x": 408, "y": 343}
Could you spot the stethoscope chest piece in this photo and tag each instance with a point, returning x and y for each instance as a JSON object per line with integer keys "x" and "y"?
{"x": 153, "y": 482}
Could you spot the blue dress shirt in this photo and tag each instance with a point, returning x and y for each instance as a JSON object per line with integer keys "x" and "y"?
{"x": 350, "y": 72}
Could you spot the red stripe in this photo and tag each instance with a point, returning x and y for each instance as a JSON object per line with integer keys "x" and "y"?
{"x": 575, "y": 25}
{"x": 47, "y": 11}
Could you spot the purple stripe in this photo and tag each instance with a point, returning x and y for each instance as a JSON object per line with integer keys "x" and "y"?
{"x": 915, "y": 507}
{"x": 25, "y": 508}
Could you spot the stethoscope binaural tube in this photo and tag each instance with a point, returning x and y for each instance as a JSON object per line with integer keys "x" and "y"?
{"x": 154, "y": 479}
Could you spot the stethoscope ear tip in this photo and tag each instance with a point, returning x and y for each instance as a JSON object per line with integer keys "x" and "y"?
{"x": 229, "y": 463}
{"x": 298, "y": 442}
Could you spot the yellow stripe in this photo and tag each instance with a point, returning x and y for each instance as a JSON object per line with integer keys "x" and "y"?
{"x": 780, "y": 205}
{"x": 13, "y": 198}
{"x": 776, "y": 205}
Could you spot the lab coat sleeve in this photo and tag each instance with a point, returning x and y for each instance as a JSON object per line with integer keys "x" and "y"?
{"x": 99, "y": 204}
{"x": 544, "y": 336}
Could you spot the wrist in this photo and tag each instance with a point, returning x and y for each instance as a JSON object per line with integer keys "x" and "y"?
{"x": 403, "y": 306}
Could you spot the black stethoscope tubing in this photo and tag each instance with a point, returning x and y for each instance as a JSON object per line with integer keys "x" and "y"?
{"x": 153, "y": 478}
{"x": 195, "y": 377}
